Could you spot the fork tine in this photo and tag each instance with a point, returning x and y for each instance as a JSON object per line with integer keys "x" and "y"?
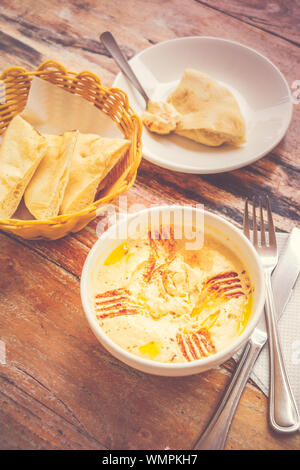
{"x": 246, "y": 226}
{"x": 262, "y": 225}
{"x": 255, "y": 237}
{"x": 271, "y": 228}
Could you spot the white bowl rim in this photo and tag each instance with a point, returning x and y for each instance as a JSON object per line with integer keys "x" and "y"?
{"x": 195, "y": 170}
{"x": 149, "y": 364}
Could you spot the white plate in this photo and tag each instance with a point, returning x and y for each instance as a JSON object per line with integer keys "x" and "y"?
{"x": 259, "y": 87}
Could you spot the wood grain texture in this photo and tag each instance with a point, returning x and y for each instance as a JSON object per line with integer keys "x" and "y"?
{"x": 60, "y": 389}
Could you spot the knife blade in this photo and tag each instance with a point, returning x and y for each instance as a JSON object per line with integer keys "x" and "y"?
{"x": 283, "y": 280}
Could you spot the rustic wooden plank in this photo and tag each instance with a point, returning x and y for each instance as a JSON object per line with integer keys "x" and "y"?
{"x": 71, "y": 32}
{"x": 279, "y": 17}
{"x": 225, "y": 193}
{"x": 68, "y": 252}
{"x": 61, "y": 389}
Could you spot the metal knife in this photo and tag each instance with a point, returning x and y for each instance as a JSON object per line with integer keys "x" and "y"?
{"x": 283, "y": 280}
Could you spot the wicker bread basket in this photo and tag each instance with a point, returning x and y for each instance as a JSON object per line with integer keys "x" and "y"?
{"x": 112, "y": 101}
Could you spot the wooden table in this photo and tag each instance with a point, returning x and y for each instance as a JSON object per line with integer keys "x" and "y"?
{"x": 59, "y": 388}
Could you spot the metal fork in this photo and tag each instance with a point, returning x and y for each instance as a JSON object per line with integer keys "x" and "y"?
{"x": 283, "y": 411}
{"x": 282, "y": 406}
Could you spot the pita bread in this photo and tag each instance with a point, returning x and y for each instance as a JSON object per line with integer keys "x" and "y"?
{"x": 43, "y": 195}
{"x": 209, "y": 113}
{"x": 92, "y": 160}
{"x": 21, "y": 151}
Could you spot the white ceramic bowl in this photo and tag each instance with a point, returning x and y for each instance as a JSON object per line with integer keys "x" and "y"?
{"x": 257, "y": 84}
{"x": 227, "y": 233}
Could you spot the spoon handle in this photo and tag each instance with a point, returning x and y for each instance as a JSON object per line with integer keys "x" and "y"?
{"x": 110, "y": 44}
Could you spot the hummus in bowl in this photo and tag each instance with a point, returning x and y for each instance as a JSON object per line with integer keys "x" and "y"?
{"x": 169, "y": 309}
